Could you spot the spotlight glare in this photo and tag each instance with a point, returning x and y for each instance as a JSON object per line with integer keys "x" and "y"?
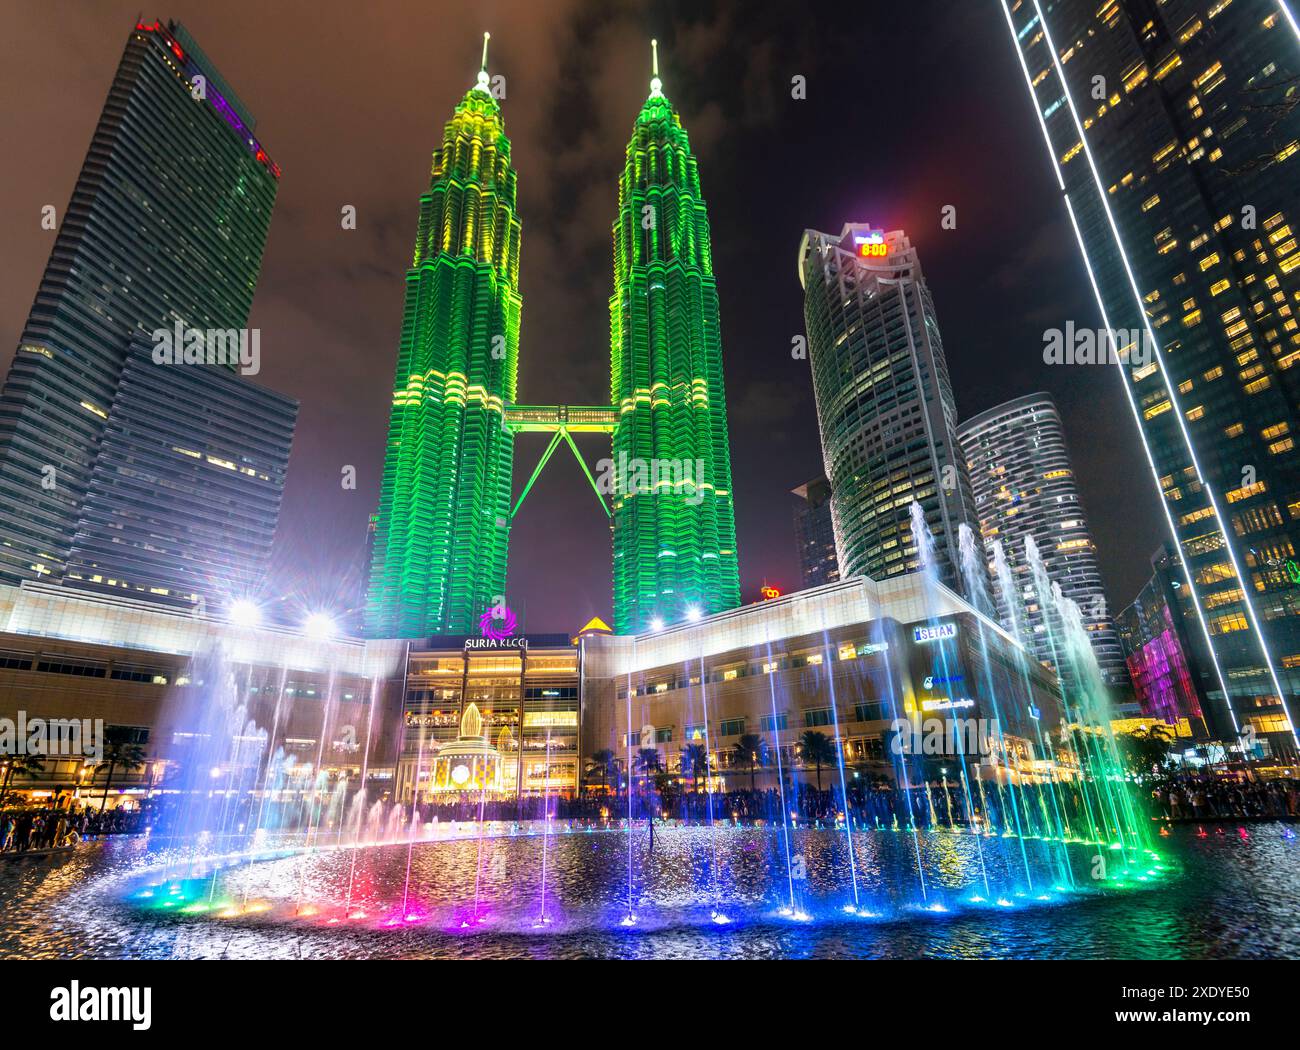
{"x": 319, "y": 625}
{"x": 693, "y": 613}
{"x": 244, "y": 612}
{"x": 657, "y": 624}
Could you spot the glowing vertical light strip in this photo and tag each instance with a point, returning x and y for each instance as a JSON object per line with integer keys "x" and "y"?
{"x": 1128, "y": 392}
{"x": 1290, "y": 17}
{"x": 1155, "y": 474}
{"x": 630, "y": 918}
{"x": 1171, "y": 389}
{"x": 708, "y": 796}
{"x": 780, "y": 771}
{"x": 840, "y": 745}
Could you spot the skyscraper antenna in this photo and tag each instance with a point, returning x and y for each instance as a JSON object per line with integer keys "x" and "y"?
{"x": 656, "y": 85}
{"x": 484, "y": 81}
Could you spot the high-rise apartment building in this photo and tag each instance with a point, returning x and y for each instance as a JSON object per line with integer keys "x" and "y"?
{"x": 884, "y": 402}
{"x": 814, "y": 534}
{"x": 1175, "y": 141}
{"x": 166, "y": 228}
{"x": 1024, "y": 487}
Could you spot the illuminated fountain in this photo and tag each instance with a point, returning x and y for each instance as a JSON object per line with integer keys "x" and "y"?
{"x": 991, "y": 831}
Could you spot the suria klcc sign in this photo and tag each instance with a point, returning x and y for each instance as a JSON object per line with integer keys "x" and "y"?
{"x": 497, "y": 643}
{"x": 934, "y": 632}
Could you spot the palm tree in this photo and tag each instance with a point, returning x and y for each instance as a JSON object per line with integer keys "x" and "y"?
{"x": 666, "y": 785}
{"x": 695, "y": 760}
{"x": 818, "y": 749}
{"x": 601, "y": 761}
{"x": 1146, "y": 748}
{"x": 24, "y": 764}
{"x": 750, "y": 751}
{"x": 647, "y": 761}
{"x": 120, "y": 749}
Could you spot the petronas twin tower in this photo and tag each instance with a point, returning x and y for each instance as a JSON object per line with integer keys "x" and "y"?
{"x": 442, "y": 532}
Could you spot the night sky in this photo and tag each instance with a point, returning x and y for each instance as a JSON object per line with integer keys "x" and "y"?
{"x": 910, "y": 107}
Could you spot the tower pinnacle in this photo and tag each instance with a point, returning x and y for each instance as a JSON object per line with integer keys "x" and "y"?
{"x": 483, "y": 79}
{"x": 656, "y": 85}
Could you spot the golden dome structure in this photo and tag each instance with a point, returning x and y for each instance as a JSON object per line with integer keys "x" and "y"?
{"x": 468, "y": 763}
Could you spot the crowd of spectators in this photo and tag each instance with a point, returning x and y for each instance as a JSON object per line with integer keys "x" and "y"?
{"x": 941, "y": 803}
{"x": 1174, "y": 796}
{"x": 1189, "y": 796}
{"x": 62, "y": 826}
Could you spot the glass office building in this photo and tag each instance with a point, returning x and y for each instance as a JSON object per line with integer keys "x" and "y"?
{"x": 1166, "y": 655}
{"x": 166, "y": 228}
{"x": 814, "y": 534}
{"x": 1175, "y": 141}
{"x": 186, "y": 490}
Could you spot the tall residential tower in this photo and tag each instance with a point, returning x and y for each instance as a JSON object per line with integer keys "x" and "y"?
{"x": 814, "y": 534}
{"x": 674, "y": 523}
{"x": 439, "y": 555}
{"x": 1175, "y": 140}
{"x": 1024, "y": 487}
{"x": 884, "y": 402}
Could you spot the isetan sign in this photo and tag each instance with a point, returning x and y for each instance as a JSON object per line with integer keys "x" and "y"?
{"x": 934, "y": 634}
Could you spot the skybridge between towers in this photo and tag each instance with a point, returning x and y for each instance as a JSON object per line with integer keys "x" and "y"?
{"x": 561, "y": 422}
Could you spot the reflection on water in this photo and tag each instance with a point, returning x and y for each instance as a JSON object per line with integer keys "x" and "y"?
{"x": 1236, "y": 897}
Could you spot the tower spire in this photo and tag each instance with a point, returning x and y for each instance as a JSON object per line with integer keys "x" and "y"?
{"x": 656, "y": 85}
{"x": 483, "y": 79}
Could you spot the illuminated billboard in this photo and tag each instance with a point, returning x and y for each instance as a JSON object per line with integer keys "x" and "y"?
{"x": 871, "y": 245}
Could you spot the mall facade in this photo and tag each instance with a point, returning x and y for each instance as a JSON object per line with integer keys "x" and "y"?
{"x": 876, "y": 665}
{"x": 142, "y": 671}
{"x": 888, "y": 667}
{"x": 526, "y": 689}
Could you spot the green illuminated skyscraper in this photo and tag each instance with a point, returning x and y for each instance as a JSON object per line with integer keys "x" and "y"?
{"x": 439, "y": 556}
{"x": 674, "y": 523}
